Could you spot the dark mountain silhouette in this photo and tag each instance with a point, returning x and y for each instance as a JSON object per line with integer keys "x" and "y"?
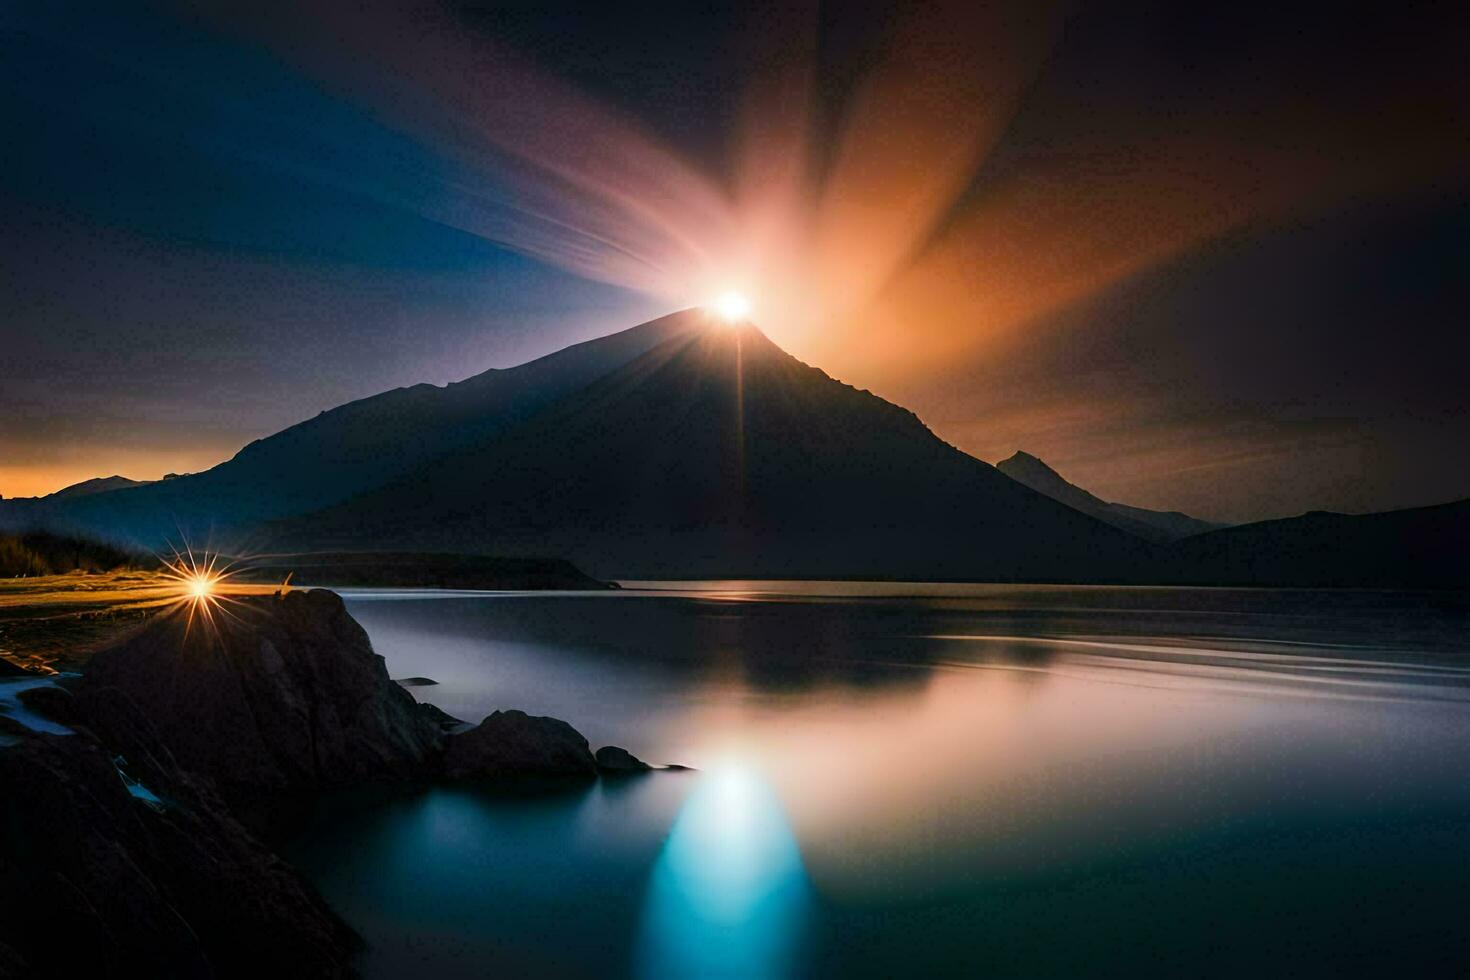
{"x": 1419, "y": 547}
{"x": 684, "y": 449}
{"x": 1155, "y": 525}
{"x": 351, "y": 448}
{"x": 717, "y": 453}
{"x": 101, "y": 484}
{"x": 14, "y": 513}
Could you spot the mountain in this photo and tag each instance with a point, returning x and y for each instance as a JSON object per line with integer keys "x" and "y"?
{"x": 349, "y": 449}
{"x": 680, "y": 448}
{"x": 718, "y": 454}
{"x": 101, "y": 484}
{"x": 1421, "y": 547}
{"x": 1155, "y": 525}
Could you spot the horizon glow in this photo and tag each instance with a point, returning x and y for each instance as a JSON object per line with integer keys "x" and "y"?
{"x": 931, "y": 213}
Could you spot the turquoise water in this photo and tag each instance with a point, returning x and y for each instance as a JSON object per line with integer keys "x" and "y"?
{"x": 931, "y": 780}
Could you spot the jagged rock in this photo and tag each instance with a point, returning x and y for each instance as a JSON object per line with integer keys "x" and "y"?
{"x": 12, "y": 967}
{"x": 279, "y": 695}
{"x": 438, "y": 716}
{"x": 612, "y": 759}
{"x": 50, "y": 701}
{"x": 104, "y": 885}
{"x": 513, "y": 743}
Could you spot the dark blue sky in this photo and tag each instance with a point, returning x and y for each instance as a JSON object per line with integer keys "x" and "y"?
{"x": 201, "y": 247}
{"x": 205, "y": 240}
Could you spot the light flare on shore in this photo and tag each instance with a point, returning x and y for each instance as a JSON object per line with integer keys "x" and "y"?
{"x": 201, "y": 583}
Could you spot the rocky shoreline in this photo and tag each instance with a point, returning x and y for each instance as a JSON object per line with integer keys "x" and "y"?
{"x": 136, "y": 824}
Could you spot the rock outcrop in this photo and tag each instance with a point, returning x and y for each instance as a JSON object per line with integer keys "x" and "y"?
{"x": 103, "y": 882}
{"x": 513, "y": 743}
{"x": 131, "y": 844}
{"x": 273, "y": 696}
{"x": 12, "y": 967}
{"x": 53, "y": 702}
{"x": 611, "y": 759}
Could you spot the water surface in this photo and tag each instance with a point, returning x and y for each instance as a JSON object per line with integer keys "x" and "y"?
{"x": 918, "y": 779}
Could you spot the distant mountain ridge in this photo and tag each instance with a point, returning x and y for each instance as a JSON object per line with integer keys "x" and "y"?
{"x": 101, "y": 484}
{"x": 351, "y": 448}
{"x": 685, "y": 448}
{"x": 1155, "y": 525}
{"x": 1420, "y": 547}
{"x": 717, "y": 453}
{"x": 98, "y": 484}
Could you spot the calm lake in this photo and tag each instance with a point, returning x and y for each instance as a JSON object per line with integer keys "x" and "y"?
{"x": 917, "y": 780}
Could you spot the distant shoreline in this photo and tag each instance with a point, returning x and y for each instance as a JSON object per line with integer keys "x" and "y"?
{"x": 420, "y": 570}
{"x": 54, "y": 623}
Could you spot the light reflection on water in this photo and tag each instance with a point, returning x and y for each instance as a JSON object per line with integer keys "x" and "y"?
{"x": 728, "y": 893}
{"x": 947, "y": 780}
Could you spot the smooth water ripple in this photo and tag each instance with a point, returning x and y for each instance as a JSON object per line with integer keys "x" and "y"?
{"x": 902, "y": 779}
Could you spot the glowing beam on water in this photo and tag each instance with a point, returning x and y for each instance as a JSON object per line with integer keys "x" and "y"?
{"x": 728, "y": 895}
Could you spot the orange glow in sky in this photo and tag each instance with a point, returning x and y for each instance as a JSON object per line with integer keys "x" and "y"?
{"x": 960, "y": 194}
{"x": 879, "y": 248}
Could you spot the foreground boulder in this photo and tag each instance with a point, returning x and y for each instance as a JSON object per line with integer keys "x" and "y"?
{"x": 11, "y": 965}
{"x": 275, "y": 695}
{"x": 53, "y": 702}
{"x": 127, "y": 847}
{"x": 104, "y": 880}
{"x": 611, "y": 759}
{"x": 513, "y": 743}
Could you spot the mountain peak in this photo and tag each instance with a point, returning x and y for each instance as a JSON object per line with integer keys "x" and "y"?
{"x": 717, "y": 453}
{"x": 1021, "y": 459}
{"x": 100, "y": 484}
{"x": 360, "y": 445}
{"x": 1154, "y": 525}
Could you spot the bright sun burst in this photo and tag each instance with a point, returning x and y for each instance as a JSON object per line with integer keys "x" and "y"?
{"x": 732, "y": 307}
{"x": 198, "y": 580}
